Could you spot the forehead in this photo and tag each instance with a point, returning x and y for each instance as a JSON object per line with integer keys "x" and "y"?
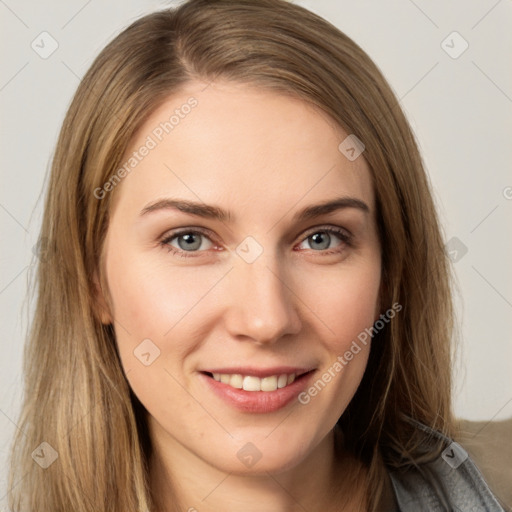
{"x": 238, "y": 144}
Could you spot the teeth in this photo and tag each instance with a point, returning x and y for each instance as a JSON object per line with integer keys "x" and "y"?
{"x": 236, "y": 381}
{"x": 282, "y": 381}
{"x": 269, "y": 383}
{"x": 251, "y": 383}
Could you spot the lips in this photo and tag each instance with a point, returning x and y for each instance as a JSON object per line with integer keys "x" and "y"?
{"x": 257, "y": 390}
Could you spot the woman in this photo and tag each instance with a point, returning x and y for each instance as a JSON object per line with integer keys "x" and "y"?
{"x": 193, "y": 348}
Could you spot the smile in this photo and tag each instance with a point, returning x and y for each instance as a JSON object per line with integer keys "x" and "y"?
{"x": 253, "y": 390}
{"x": 252, "y": 383}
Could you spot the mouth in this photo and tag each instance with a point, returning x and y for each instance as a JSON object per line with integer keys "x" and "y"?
{"x": 257, "y": 391}
{"x": 253, "y": 383}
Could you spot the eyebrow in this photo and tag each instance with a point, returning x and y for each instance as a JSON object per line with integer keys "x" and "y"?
{"x": 217, "y": 213}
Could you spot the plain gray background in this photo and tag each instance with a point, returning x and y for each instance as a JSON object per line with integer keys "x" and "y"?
{"x": 458, "y": 102}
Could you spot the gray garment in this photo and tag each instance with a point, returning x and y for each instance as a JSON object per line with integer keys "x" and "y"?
{"x": 452, "y": 482}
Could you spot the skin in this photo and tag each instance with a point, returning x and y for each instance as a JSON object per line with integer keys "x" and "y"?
{"x": 264, "y": 156}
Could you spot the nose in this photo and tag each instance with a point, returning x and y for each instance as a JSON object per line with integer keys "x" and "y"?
{"x": 262, "y": 305}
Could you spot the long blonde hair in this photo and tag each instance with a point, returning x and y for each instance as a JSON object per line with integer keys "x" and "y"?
{"x": 77, "y": 398}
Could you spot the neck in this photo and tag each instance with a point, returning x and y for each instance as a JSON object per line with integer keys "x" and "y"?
{"x": 324, "y": 481}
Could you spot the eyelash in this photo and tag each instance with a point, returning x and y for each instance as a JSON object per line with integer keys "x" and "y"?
{"x": 344, "y": 236}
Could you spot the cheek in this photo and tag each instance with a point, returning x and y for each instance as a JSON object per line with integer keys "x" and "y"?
{"x": 158, "y": 323}
{"x": 344, "y": 302}
{"x": 345, "y": 306}
{"x": 154, "y": 301}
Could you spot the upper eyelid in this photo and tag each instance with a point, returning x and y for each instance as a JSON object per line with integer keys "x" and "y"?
{"x": 170, "y": 235}
{"x": 327, "y": 227}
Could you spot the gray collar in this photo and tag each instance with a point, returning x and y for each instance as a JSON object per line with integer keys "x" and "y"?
{"x": 452, "y": 482}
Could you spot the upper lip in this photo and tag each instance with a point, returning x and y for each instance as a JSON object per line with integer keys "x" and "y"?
{"x": 260, "y": 372}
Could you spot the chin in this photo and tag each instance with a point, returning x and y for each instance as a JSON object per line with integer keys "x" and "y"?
{"x": 259, "y": 455}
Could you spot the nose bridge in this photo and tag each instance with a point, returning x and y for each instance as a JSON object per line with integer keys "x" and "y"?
{"x": 262, "y": 306}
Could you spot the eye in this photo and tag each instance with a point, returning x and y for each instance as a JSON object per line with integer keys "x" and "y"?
{"x": 322, "y": 239}
{"x": 194, "y": 242}
{"x": 189, "y": 241}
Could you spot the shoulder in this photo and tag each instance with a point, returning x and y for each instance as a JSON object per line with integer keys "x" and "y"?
{"x": 452, "y": 481}
{"x": 489, "y": 444}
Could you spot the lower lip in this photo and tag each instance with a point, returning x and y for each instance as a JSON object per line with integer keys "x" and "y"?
{"x": 258, "y": 401}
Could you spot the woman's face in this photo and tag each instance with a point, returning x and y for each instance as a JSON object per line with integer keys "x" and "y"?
{"x": 226, "y": 270}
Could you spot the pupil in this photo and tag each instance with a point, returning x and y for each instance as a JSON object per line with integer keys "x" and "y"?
{"x": 322, "y": 239}
{"x": 189, "y": 242}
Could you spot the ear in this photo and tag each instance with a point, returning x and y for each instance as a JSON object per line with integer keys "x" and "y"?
{"x": 100, "y": 304}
